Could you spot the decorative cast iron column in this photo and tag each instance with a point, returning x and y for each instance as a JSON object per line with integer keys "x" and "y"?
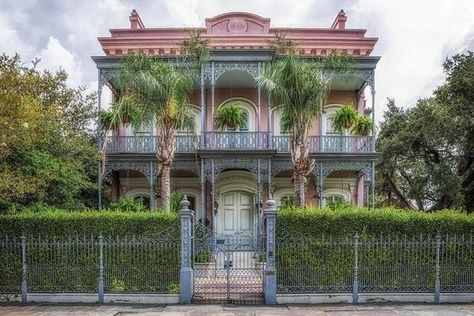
{"x": 203, "y": 110}
{"x": 99, "y": 139}
{"x": 203, "y": 193}
{"x": 270, "y": 271}
{"x": 186, "y": 273}
{"x": 152, "y": 188}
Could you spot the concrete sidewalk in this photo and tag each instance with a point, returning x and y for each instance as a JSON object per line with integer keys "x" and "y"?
{"x": 230, "y": 310}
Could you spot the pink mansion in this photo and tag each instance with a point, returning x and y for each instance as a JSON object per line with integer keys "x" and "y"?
{"x": 228, "y": 174}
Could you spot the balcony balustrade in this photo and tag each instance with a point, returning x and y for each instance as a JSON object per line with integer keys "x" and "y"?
{"x": 240, "y": 141}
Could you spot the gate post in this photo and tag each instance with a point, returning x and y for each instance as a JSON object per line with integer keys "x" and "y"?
{"x": 24, "y": 272}
{"x": 270, "y": 272}
{"x": 437, "y": 268}
{"x": 186, "y": 273}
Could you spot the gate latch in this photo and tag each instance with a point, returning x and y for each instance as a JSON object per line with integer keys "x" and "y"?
{"x": 227, "y": 264}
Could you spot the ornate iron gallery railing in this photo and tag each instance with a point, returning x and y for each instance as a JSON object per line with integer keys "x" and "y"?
{"x": 240, "y": 141}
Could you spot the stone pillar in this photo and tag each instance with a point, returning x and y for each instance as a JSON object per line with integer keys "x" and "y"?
{"x": 270, "y": 271}
{"x": 186, "y": 272}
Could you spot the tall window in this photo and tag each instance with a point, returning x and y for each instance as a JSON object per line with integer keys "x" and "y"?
{"x": 245, "y": 127}
{"x": 330, "y": 126}
{"x": 287, "y": 201}
{"x": 143, "y": 199}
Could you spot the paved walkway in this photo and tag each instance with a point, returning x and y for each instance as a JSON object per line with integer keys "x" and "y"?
{"x": 230, "y": 310}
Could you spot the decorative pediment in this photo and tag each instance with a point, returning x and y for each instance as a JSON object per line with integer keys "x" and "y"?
{"x": 237, "y": 23}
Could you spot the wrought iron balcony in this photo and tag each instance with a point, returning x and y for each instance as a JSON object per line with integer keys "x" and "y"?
{"x": 240, "y": 141}
{"x": 236, "y": 140}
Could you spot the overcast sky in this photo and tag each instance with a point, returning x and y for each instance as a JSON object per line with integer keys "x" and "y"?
{"x": 415, "y": 36}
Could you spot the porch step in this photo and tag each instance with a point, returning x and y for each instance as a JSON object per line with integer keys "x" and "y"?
{"x": 243, "y": 300}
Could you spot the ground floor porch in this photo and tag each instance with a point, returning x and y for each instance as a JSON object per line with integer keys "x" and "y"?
{"x": 228, "y": 193}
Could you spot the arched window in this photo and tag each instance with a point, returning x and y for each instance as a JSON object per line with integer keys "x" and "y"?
{"x": 328, "y": 121}
{"x": 143, "y": 199}
{"x": 245, "y": 127}
{"x": 287, "y": 201}
{"x": 250, "y": 115}
{"x": 330, "y": 126}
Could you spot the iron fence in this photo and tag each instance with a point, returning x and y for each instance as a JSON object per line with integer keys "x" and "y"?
{"x": 133, "y": 264}
{"x": 423, "y": 264}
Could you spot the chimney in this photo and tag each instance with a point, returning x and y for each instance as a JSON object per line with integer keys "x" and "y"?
{"x": 340, "y": 21}
{"x": 135, "y": 21}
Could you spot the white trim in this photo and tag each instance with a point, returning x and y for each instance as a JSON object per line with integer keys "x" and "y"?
{"x": 346, "y": 195}
{"x": 197, "y": 198}
{"x": 328, "y": 111}
{"x": 137, "y": 192}
{"x": 280, "y": 193}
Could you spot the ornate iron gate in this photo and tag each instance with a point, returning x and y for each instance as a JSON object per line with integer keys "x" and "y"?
{"x": 227, "y": 268}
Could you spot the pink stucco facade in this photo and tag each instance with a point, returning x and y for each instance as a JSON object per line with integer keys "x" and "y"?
{"x": 241, "y": 44}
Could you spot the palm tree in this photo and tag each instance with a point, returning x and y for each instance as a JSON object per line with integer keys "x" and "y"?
{"x": 299, "y": 87}
{"x": 159, "y": 92}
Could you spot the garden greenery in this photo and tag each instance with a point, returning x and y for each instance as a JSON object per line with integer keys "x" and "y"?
{"x": 347, "y": 220}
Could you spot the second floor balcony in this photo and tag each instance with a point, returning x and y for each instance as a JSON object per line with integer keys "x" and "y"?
{"x": 239, "y": 141}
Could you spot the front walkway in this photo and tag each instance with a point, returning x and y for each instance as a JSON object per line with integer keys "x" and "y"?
{"x": 230, "y": 310}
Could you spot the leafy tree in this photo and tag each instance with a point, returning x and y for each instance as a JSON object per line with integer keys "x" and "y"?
{"x": 299, "y": 87}
{"x": 47, "y": 145}
{"x": 427, "y": 151}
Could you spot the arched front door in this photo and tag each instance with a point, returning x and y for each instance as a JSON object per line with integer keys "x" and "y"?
{"x": 236, "y": 213}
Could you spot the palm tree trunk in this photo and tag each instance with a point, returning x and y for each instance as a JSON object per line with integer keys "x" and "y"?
{"x": 165, "y": 187}
{"x": 298, "y": 184}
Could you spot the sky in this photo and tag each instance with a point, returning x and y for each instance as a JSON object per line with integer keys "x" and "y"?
{"x": 415, "y": 36}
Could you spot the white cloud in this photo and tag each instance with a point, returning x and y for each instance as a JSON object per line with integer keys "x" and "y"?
{"x": 414, "y": 36}
{"x": 55, "y": 56}
{"x": 414, "y": 39}
{"x": 10, "y": 41}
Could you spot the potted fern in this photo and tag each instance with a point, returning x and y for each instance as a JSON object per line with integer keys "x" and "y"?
{"x": 230, "y": 116}
{"x": 362, "y": 126}
{"x": 345, "y": 117}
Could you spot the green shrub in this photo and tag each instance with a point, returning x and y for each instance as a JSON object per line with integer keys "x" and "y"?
{"x": 62, "y": 223}
{"x": 372, "y": 222}
{"x": 396, "y": 252}
{"x": 62, "y": 251}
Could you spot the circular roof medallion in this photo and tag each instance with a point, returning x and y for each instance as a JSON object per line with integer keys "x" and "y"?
{"x": 237, "y": 25}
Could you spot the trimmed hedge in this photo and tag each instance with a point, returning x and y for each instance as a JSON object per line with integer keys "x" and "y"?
{"x": 372, "y": 222}
{"x": 63, "y": 249}
{"x": 61, "y": 223}
{"x": 396, "y": 250}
